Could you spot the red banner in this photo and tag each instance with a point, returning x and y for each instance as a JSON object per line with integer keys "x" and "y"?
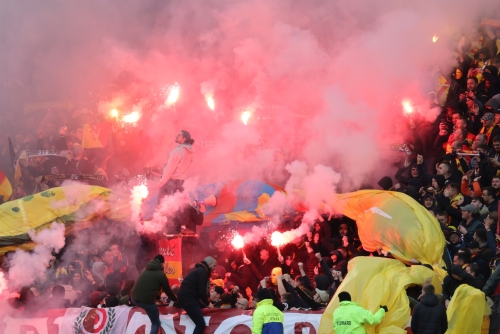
{"x": 173, "y": 320}
{"x": 171, "y": 250}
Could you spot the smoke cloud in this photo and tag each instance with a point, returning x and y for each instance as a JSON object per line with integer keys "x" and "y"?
{"x": 323, "y": 82}
{"x": 26, "y": 267}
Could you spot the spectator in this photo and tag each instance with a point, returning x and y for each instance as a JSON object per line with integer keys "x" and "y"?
{"x": 469, "y": 222}
{"x": 490, "y": 129}
{"x": 193, "y": 292}
{"x": 215, "y": 297}
{"x": 457, "y": 277}
{"x": 429, "y": 316}
{"x": 57, "y": 299}
{"x": 350, "y": 317}
{"x": 473, "y": 270}
{"x": 147, "y": 286}
{"x": 242, "y": 304}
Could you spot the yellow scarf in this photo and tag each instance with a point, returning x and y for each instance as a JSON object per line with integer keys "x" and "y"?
{"x": 488, "y": 132}
{"x": 455, "y": 200}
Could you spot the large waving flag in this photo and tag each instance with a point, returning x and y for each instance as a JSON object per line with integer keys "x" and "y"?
{"x": 238, "y": 201}
{"x": 5, "y": 188}
{"x": 95, "y": 135}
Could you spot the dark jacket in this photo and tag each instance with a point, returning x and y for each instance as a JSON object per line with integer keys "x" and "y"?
{"x": 429, "y": 317}
{"x": 450, "y": 285}
{"x": 194, "y": 287}
{"x": 244, "y": 278}
{"x": 149, "y": 283}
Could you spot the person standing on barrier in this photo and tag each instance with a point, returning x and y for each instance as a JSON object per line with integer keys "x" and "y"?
{"x": 175, "y": 170}
{"x": 194, "y": 291}
{"x": 350, "y": 317}
{"x": 147, "y": 286}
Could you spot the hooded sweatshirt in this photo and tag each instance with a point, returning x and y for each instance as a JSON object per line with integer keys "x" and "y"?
{"x": 149, "y": 283}
{"x": 178, "y": 163}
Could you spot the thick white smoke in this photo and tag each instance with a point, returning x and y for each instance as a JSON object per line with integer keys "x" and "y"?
{"x": 25, "y": 267}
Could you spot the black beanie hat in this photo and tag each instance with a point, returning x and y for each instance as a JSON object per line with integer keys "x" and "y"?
{"x": 263, "y": 294}
{"x": 160, "y": 258}
{"x": 385, "y": 183}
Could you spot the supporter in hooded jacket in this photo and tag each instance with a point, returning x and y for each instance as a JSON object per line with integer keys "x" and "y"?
{"x": 429, "y": 317}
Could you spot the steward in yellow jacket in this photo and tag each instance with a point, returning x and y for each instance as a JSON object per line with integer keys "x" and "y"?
{"x": 350, "y": 317}
{"x": 267, "y": 319}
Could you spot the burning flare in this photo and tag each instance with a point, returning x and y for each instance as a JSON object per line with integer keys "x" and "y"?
{"x": 245, "y": 116}
{"x": 210, "y": 102}
{"x": 407, "y": 107}
{"x": 434, "y": 38}
{"x": 133, "y": 117}
{"x": 114, "y": 113}
{"x": 173, "y": 95}
{"x": 277, "y": 239}
{"x": 237, "y": 242}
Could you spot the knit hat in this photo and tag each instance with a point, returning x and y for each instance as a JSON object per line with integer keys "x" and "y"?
{"x": 263, "y": 294}
{"x": 160, "y": 258}
{"x": 440, "y": 180}
{"x": 385, "y": 183}
{"x": 218, "y": 282}
{"x": 458, "y": 270}
{"x": 488, "y": 117}
{"x": 323, "y": 295}
{"x": 322, "y": 282}
{"x": 219, "y": 290}
{"x": 94, "y": 298}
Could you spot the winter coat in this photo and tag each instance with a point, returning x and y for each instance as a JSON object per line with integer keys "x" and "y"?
{"x": 429, "y": 317}
{"x": 350, "y": 318}
{"x": 450, "y": 285}
{"x": 267, "y": 319}
{"x": 194, "y": 287}
{"x": 149, "y": 283}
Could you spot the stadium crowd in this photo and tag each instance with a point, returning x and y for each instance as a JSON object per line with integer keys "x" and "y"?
{"x": 452, "y": 168}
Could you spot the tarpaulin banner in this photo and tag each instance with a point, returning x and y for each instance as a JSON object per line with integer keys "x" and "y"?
{"x": 171, "y": 250}
{"x": 123, "y": 319}
{"x": 375, "y": 281}
{"x": 29, "y": 107}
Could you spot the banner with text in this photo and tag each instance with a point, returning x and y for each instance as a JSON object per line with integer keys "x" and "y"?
{"x": 123, "y": 319}
{"x": 172, "y": 251}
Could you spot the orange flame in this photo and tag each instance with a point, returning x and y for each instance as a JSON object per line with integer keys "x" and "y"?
{"x": 114, "y": 113}
{"x": 434, "y": 39}
{"x": 133, "y": 117}
{"x": 245, "y": 116}
{"x": 237, "y": 242}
